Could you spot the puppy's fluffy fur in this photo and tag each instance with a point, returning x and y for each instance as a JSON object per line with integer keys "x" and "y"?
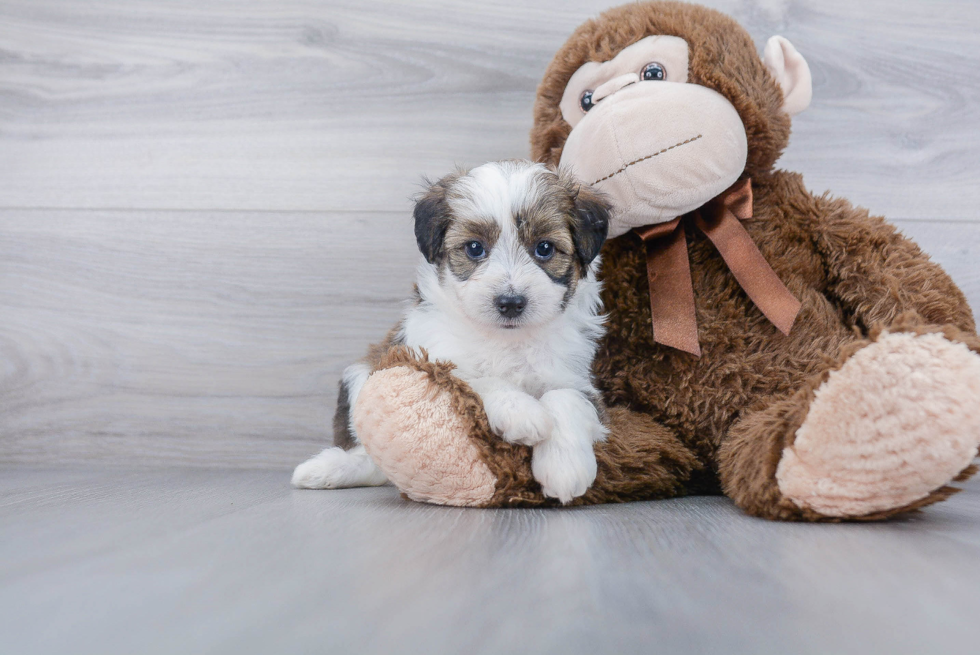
{"x": 507, "y": 291}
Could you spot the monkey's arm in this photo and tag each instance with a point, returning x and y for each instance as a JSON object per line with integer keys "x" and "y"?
{"x": 877, "y": 274}
{"x": 427, "y": 431}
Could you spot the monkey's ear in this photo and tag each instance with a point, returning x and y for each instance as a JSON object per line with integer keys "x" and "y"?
{"x": 432, "y": 216}
{"x": 590, "y": 224}
{"x": 791, "y": 72}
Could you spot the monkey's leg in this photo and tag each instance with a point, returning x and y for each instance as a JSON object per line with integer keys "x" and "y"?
{"x": 428, "y": 433}
{"x": 882, "y": 431}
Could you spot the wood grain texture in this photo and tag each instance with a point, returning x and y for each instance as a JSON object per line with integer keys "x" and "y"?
{"x": 205, "y": 215}
{"x": 214, "y": 338}
{"x": 204, "y": 212}
{"x": 303, "y": 105}
{"x": 201, "y": 561}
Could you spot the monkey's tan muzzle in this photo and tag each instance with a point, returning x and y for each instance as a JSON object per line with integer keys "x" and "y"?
{"x": 658, "y": 150}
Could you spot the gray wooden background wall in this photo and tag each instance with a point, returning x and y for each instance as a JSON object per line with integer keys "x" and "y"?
{"x": 204, "y": 206}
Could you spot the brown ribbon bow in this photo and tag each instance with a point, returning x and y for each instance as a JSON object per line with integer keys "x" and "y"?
{"x": 669, "y": 271}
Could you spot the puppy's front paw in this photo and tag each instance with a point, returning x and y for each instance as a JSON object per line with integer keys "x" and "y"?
{"x": 518, "y": 418}
{"x": 564, "y": 469}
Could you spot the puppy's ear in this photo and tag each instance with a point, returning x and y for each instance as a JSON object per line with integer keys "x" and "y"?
{"x": 590, "y": 222}
{"x": 432, "y": 216}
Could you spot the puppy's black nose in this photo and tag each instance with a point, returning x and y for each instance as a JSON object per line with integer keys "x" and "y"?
{"x": 510, "y": 306}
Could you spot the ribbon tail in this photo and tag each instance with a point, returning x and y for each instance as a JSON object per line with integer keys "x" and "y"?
{"x": 751, "y": 269}
{"x": 671, "y": 293}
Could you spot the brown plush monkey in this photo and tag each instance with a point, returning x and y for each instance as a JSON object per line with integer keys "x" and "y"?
{"x": 785, "y": 349}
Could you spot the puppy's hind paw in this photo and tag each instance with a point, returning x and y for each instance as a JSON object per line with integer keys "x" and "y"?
{"x": 335, "y": 468}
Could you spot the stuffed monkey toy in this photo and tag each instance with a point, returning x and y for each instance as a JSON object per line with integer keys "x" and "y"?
{"x": 784, "y": 349}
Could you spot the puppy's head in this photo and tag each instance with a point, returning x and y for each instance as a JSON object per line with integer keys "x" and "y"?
{"x": 510, "y": 240}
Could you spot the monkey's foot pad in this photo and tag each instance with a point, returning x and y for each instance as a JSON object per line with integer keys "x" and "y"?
{"x": 413, "y": 431}
{"x": 898, "y": 421}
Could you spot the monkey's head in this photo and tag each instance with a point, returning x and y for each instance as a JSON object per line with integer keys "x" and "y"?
{"x": 664, "y": 105}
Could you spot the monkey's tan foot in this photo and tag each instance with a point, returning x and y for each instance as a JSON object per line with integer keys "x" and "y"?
{"x": 414, "y": 432}
{"x": 889, "y": 429}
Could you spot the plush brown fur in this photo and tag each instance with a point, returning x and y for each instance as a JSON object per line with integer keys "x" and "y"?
{"x": 342, "y": 437}
{"x": 681, "y": 424}
{"x": 739, "y": 405}
{"x": 679, "y": 421}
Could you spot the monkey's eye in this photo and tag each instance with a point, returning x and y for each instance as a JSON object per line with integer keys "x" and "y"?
{"x": 475, "y": 250}
{"x": 654, "y": 71}
{"x": 544, "y": 251}
{"x": 586, "y": 101}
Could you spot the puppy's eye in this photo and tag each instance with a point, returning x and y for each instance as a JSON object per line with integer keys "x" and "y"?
{"x": 654, "y": 71}
{"x": 586, "y": 101}
{"x": 544, "y": 251}
{"x": 475, "y": 250}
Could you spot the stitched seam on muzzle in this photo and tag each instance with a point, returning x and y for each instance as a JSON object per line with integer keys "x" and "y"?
{"x": 637, "y": 161}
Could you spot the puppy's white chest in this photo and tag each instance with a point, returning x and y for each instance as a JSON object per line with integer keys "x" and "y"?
{"x": 520, "y": 366}
{"x": 557, "y": 360}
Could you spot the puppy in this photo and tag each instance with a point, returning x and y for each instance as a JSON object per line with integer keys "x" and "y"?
{"x": 507, "y": 292}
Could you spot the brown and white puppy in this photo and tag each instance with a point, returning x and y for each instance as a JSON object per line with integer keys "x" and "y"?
{"x": 507, "y": 292}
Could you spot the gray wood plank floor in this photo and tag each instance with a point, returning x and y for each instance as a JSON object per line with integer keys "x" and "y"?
{"x": 224, "y": 561}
